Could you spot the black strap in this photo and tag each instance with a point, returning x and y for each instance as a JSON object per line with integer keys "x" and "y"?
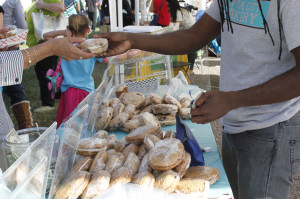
{"x": 160, "y": 7}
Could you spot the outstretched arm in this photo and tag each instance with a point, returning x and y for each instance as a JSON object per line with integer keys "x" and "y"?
{"x": 213, "y": 105}
{"x": 179, "y": 42}
{"x": 52, "y": 7}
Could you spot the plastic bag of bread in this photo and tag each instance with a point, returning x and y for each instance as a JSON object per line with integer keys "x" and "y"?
{"x": 139, "y": 134}
{"x": 167, "y": 180}
{"x": 91, "y": 146}
{"x": 94, "y": 45}
{"x": 99, "y": 162}
{"x": 144, "y": 178}
{"x": 122, "y": 175}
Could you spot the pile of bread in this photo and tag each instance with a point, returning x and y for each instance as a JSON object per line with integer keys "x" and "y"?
{"x": 130, "y": 111}
{"x": 148, "y": 158}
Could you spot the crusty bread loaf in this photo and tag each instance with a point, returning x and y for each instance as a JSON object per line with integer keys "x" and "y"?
{"x": 95, "y": 45}
{"x": 113, "y": 101}
{"x": 153, "y": 98}
{"x": 98, "y": 184}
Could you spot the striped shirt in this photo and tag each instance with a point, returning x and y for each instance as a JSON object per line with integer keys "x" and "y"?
{"x": 11, "y": 71}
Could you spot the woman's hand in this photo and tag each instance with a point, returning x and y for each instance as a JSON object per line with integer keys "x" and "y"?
{"x": 118, "y": 43}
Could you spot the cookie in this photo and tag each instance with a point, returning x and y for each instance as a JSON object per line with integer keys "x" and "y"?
{"x": 112, "y": 141}
{"x": 117, "y": 109}
{"x": 117, "y": 122}
{"x": 148, "y": 118}
{"x": 98, "y": 184}
{"x": 114, "y": 162}
{"x": 121, "y": 89}
{"x": 166, "y": 154}
{"x": 73, "y": 187}
{"x": 169, "y": 99}
{"x": 132, "y": 162}
{"x": 104, "y": 118}
{"x": 122, "y": 175}
{"x": 150, "y": 141}
{"x": 139, "y": 134}
{"x": 130, "y": 125}
{"x": 99, "y": 162}
{"x": 185, "y": 102}
{"x": 101, "y": 134}
{"x": 184, "y": 165}
{"x": 144, "y": 178}
{"x": 191, "y": 185}
{"x": 203, "y": 172}
{"x": 131, "y": 148}
{"x": 185, "y": 113}
{"x": 135, "y": 98}
{"x": 164, "y": 109}
{"x": 166, "y": 120}
{"x": 167, "y": 181}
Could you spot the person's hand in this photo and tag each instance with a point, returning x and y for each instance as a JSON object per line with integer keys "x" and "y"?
{"x": 6, "y": 48}
{"x": 66, "y": 49}
{"x": 211, "y": 106}
{"x": 118, "y": 43}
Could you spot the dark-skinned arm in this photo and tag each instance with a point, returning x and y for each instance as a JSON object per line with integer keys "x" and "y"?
{"x": 213, "y": 105}
{"x": 174, "y": 43}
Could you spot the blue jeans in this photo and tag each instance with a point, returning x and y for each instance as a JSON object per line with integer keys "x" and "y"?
{"x": 16, "y": 93}
{"x": 262, "y": 163}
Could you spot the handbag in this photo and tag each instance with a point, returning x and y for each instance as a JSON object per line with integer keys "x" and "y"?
{"x": 45, "y": 23}
{"x": 185, "y": 135}
{"x": 154, "y": 21}
{"x": 56, "y": 79}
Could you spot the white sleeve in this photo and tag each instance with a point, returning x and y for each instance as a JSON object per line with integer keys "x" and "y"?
{"x": 214, "y": 11}
{"x": 11, "y": 67}
{"x": 290, "y": 17}
{"x": 179, "y": 16}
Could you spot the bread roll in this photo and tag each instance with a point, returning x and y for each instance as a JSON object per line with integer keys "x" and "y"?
{"x": 170, "y": 134}
{"x": 184, "y": 165}
{"x": 171, "y": 100}
{"x": 121, "y": 145}
{"x": 148, "y": 118}
{"x": 95, "y": 45}
{"x": 103, "y": 118}
{"x": 164, "y": 109}
{"x": 117, "y": 109}
{"x": 91, "y": 146}
{"x": 139, "y": 134}
{"x": 122, "y": 175}
{"x": 132, "y": 162}
{"x": 144, "y": 165}
{"x": 112, "y": 141}
{"x": 114, "y": 162}
{"x": 101, "y": 134}
{"x": 150, "y": 141}
{"x": 121, "y": 89}
{"x": 203, "y": 172}
{"x": 166, "y": 120}
{"x": 147, "y": 109}
{"x": 142, "y": 151}
{"x": 131, "y": 125}
{"x": 131, "y": 148}
{"x": 185, "y": 102}
{"x": 167, "y": 180}
{"x": 99, "y": 162}
{"x": 83, "y": 165}
{"x": 144, "y": 178}
{"x": 153, "y": 99}
{"x": 130, "y": 109}
{"x": 113, "y": 101}
{"x": 117, "y": 122}
{"x": 135, "y": 98}
{"x": 185, "y": 113}
{"x": 190, "y": 185}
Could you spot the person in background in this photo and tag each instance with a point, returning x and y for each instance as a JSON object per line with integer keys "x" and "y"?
{"x": 77, "y": 74}
{"x": 14, "y": 15}
{"x": 53, "y": 8}
{"x": 100, "y": 17}
{"x": 12, "y": 64}
{"x": 92, "y": 9}
{"x": 72, "y": 7}
{"x": 128, "y": 16}
{"x": 258, "y": 101}
{"x": 160, "y": 6}
{"x": 184, "y": 20}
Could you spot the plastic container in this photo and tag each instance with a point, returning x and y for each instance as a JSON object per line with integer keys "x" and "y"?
{"x": 27, "y": 173}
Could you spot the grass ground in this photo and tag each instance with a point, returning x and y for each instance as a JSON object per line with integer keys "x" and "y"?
{"x": 32, "y": 91}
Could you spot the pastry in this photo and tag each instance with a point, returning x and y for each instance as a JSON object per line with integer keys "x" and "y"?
{"x": 185, "y": 113}
{"x": 167, "y": 180}
{"x": 99, "y": 162}
{"x": 135, "y": 98}
{"x": 131, "y": 148}
{"x": 98, "y": 184}
{"x": 132, "y": 162}
{"x": 95, "y": 46}
{"x": 121, "y": 89}
{"x": 148, "y": 118}
{"x": 164, "y": 109}
{"x": 144, "y": 165}
{"x": 144, "y": 178}
{"x": 142, "y": 151}
{"x": 190, "y": 185}
{"x": 184, "y": 165}
{"x": 114, "y": 162}
{"x": 130, "y": 109}
{"x": 153, "y": 99}
{"x": 73, "y": 187}
{"x": 139, "y": 134}
{"x": 104, "y": 118}
{"x": 122, "y": 175}
{"x": 114, "y": 101}
{"x": 101, "y": 134}
{"x": 121, "y": 144}
{"x": 91, "y": 146}
{"x": 166, "y": 120}
{"x": 117, "y": 122}
{"x": 150, "y": 141}
{"x": 112, "y": 141}
{"x": 171, "y": 100}
{"x": 166, "y": 154}
{"x": 83, "y": 165}
{"x": 185, "y": 102}
{"x": 203, "y": 172}
{"x": 170, "y": 134}
{"x": 130, "y": 125}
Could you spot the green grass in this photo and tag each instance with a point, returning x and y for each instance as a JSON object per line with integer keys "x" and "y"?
{"x": 32, "y": 92}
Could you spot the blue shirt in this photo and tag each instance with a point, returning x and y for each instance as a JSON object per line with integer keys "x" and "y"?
{"x": 78, "y": 74}
{"x": 70, "y": 7}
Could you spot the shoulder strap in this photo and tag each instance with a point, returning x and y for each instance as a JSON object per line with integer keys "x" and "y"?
{"x": 160, "y": 6}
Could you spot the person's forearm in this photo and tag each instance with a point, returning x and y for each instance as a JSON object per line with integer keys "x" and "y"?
{"x": 52, "y": 7}
{"x": 279, "y": 89}
{"x": 179, "y": 42}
